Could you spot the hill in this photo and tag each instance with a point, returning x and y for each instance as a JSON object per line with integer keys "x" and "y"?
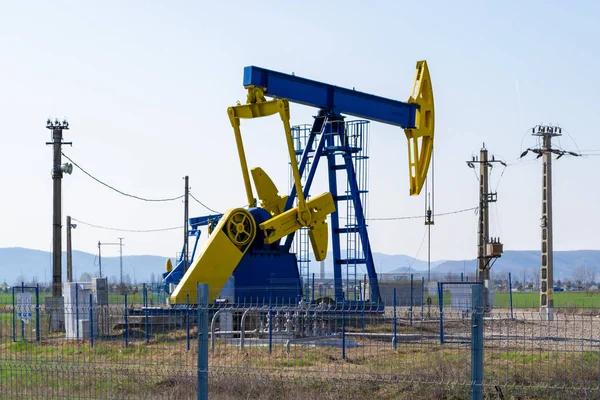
{"x": 528, "y": 262}
{"x": 18, "y": 263}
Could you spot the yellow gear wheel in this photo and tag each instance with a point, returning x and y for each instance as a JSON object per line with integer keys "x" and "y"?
{"x": 241, "y": 227}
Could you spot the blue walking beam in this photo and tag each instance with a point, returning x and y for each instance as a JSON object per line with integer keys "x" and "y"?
{"x": 416, "y": 116}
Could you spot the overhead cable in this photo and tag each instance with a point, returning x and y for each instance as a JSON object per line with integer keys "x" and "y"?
{"x": 420, "y": 216}
{"x": 204, "y": 205}
{"x": 128, "y": 230}
{"x": 119, "y": 191}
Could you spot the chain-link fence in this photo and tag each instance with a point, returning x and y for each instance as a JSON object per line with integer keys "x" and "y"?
{"x": 429, "y": 347}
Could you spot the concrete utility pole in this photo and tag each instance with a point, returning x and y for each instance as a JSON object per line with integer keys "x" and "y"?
{"x": 69, "y": 249}
{"x": 547, "y": 259}
{"x": 57, "y": 127}
{"x": 185, "y": 224}
{"x": 100, "y": 256}
{"x": 488, "y": 249}
{"x": 547, "y": 132}
{"x": 121, "y": 259}
{"x": 99, "y": 259}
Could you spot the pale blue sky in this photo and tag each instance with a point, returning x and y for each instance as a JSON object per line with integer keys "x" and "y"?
{"x": 146, "y": 84}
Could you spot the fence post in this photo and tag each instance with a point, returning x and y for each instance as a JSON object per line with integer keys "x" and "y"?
{"x": 76, "y": 310}
{"x": 422, "y": 296}
{"x": 144, "y": 295}
{"x": 395, "y": 329}
{"x": 411, "y": 300}
{"x": 510, "y": 296}
{"x": 441, "y": 305}
{"x": 14, "y": 316}
{"x": 343, "y": 333}
{"x": 270, "y": 324}
{"x": 126, "y": 322}
{"x": 187, "y": 319}
{"x": 202, "y": 341}
{"x": 146, "y": 322}
{"x": 313, "y": 288}
{"x": 37, "y": 312}
{"x": 22, "y": 323}
{"x": 91, "y": 321}
{"x": 363, "y": 317}
{"x": 477, "y": 298}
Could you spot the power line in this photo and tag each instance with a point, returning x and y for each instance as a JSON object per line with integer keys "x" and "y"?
{"x": 117, "y": 190}
{"x": 419, "y": 216}
{"x": 204, "y": 205}
{"x": 128, "y": 230}
{"x": 418, "y": 251}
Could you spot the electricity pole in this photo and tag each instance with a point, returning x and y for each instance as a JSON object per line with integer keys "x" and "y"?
{"x": 185, "y": 224}
{"x": 121, "y": 259}
{"x": 57, "y": 128}
{"x": 488, "y": 249}
{"x": 547, "y": 132}
{"x": 58, "y": 168}
{"x": 99, "y": 259}
{"x": 100, "y": 256}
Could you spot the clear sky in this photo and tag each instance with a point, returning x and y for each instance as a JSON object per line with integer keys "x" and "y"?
{"x": 145, "y": 86}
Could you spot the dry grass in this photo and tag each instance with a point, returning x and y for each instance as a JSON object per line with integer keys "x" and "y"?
{"x": 164, "y": 368}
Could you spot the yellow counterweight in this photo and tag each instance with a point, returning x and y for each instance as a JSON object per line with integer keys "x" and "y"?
{"x": 223, "y": 251}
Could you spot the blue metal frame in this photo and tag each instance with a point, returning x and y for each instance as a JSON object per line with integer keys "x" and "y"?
{"x": 332, "y": 98}
{"x": 332, "y": 144}
{"x": 477, "y": 349}
{"x": 332, "y": 101}
{"x": 195, "y": 223}
{"x": 300, "y": 137}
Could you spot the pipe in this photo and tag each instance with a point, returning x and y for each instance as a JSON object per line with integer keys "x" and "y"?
{"x": 243, "y": 325}
{"x": 242, "y": 328}
{"x": 289, "y": 342}
{"x": 212, "y": 329}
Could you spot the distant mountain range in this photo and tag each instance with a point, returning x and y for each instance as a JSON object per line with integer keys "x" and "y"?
{"x": 528, "y": 262}
{"x": 20, "y": 263}
{"x": 17, "y": 263}
{"x": 518, "y": 262}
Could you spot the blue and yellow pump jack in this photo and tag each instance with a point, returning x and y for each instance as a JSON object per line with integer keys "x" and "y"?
{"x": 245, "y": 245}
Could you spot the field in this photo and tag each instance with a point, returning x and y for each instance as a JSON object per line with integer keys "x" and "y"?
{"x": 524, "y": 358}
{"x": 421, "y": 368}
{"x": 113, "y": 298}
{"x": 561, "y": 299}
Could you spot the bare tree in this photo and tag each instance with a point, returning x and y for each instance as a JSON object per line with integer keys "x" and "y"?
{"x": 590, "y": 275}
{"x": 85, "y": 277}
{"x": 579, "y": 276}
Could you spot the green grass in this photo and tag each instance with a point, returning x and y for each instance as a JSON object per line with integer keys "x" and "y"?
{"x": 561, "y": 299}
{"x": 113, "y": 298}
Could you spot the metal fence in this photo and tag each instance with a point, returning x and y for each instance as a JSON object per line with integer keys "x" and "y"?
{"x": 443, "y": 348}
